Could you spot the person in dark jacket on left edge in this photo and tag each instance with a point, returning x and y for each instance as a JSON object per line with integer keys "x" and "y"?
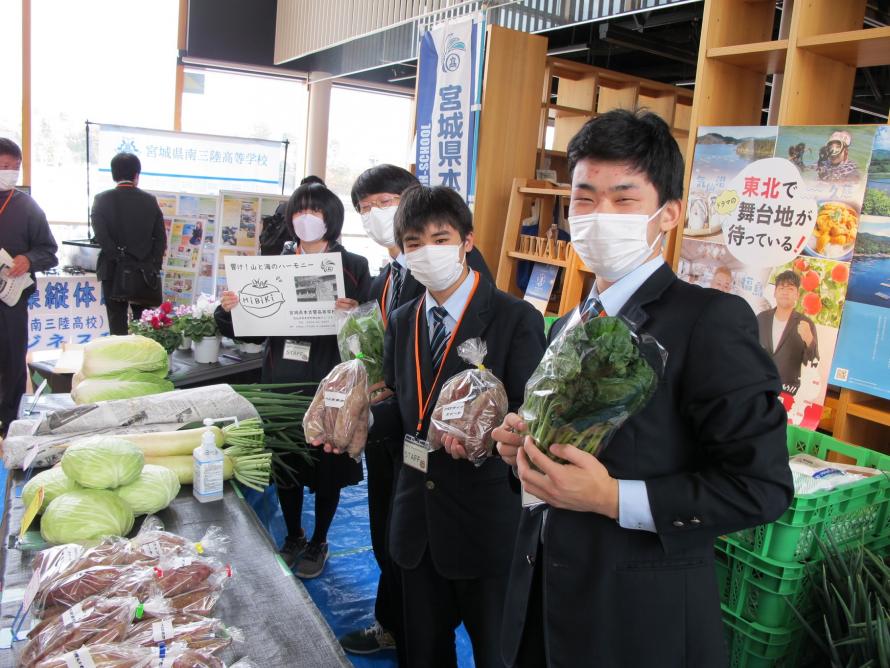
{"x": 315, "y": 215}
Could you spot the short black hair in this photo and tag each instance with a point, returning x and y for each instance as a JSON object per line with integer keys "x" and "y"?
{"x": 125, "y": 167}
{"x": 641, "y": 140}
{"x": 9, "y": 147}
{"x": 312, "y": 179}
{"x": 788, "y": 278}
{"x": 421, "y": 206}
{"x": 382, "y": 179}
{"x": 317, "y": 198}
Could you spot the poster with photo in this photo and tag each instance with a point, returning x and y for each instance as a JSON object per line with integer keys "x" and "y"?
{"x": 772, "y": 217}
{"x": 862, "y": 360}
{"x": 190, "y": 222}
{"x": 285, "y": 295}
{"x": 241, "y": 221}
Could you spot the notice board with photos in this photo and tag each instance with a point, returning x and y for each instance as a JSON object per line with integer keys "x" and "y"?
{"x": 796, "y": 221}
{"x": 190, "y": 222}
{"x": 240, "y": 222}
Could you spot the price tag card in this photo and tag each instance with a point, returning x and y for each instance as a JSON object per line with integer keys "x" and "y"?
{"x": 416, "y": 453}
{"x": 334, "y": 399}
{"x": 162, "y": 630}
{"x": 453, "y": 411}
{"x": 73, "y": 614}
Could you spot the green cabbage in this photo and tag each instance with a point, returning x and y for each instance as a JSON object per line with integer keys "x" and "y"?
{"x": 152, "y": 491}
{"x": 108, "y": 355}
{"x": 54, "y": 483}
{"x": 124, "y": 385}
{"x": 103, "y": 462}
{"x": 85, "y": 515}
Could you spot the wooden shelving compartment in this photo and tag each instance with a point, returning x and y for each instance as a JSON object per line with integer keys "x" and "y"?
{"x": 859, "y": 48}
{"x": 765, "y": 57}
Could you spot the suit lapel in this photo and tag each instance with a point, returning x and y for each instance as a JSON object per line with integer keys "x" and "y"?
{"x": 651, "y": 290}
{"x": 411, "y": 289}
{"x": 473, "y": 325}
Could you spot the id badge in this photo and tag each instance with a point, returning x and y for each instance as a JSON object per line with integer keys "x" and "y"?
{"x": 529, "y": 500}
{"x": 296, "y": 351}
{"x": 416, "y": 453}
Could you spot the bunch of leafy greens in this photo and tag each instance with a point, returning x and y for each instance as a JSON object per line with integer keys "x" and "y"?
{"x": 591, "y": 379}
{"x": 361, "y": 331}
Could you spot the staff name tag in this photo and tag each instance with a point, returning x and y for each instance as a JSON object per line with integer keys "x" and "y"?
{"x": 416, "y": 453}
{"x": 296, "y": 351}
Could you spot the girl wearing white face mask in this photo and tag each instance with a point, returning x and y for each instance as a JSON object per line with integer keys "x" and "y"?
{"x": 314, "y": 216}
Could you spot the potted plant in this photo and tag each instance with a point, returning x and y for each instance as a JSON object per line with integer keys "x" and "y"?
{"x": 157, "y": 324}
{"x": 178, "y": 317}
{"x": 201, "y": 328}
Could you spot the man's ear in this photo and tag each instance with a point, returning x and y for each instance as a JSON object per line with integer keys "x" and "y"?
{"x": 469, "y": 241}
{"x": 670, "y": 215}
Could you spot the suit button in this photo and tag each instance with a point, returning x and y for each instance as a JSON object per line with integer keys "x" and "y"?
{"x": 430, "y": 485}
{"x": 695, "y": 521}
{"x": 678, "y": 523}
{"x": 530, "y": 558}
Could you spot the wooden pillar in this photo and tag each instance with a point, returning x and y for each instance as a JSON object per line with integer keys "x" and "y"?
{"x": 181, "y": 46}
{"x": 26, "y": 92}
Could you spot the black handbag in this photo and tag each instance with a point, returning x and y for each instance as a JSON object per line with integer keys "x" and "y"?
{"x": 135, "y": 281}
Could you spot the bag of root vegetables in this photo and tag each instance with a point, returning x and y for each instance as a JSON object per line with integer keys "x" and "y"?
{"x": 470, "y": 405}
{"x": 339, "y": 412}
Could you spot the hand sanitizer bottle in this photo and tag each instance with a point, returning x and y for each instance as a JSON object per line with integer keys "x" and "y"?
{"x": 208, "y": 463}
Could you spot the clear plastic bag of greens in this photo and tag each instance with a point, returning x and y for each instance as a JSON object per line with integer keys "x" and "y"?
{"x": 339, "y": 412}
{"x": 360, "y": 330}
{"x": 592, "y": 378}
{"x": 471, "y": 404}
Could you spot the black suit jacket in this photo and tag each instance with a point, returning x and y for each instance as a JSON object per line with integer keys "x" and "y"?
{"x": 465, "y": 515}
{"x": 127, "y": 217}
{"x": 710, "y": 446}
{"x": 792, "y": 352}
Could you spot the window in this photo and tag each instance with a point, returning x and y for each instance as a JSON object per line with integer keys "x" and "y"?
{"x": 11, "y": 56}
{"x": 113, "y": 62}
{"x": 366, "y": 129}
{"x": 251, "y": 106}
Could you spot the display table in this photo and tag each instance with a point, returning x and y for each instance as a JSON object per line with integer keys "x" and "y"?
{"x": 233, "y": 366}
{"x": 281, "y": 625}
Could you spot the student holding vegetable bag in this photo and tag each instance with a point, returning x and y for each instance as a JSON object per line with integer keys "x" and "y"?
{"x": 453, "y": 525}
{"x": 624, "y": 543}
{"x": 316, "y": 217}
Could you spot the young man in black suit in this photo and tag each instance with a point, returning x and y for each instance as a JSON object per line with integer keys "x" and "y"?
{"x": 625, "y": 541}
{"x": 787, "y": 335}
{"x": 127, "y": 217}
{"x": 375, "y": 196}
{"x": 453, "y": 524}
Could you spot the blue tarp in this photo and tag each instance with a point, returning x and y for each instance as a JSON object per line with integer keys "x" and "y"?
{"x": 346, "y": 590}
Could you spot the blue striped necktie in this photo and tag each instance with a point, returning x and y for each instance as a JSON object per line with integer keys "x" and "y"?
{"x": 440, "y": 335}
{"x": 396, "y": 277}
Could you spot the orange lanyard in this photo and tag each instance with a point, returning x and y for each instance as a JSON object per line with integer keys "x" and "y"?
{"x": 8, "y": 197}
{"x": 423, "y": 406}
{"x": 383, "y": 300}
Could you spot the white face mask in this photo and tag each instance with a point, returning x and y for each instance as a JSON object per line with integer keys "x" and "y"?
{"x": 436, "y": 267}
{"x": 613, "y": 244}
{"x": 379, "y": 225}
{"x": 8, "y": 178}
{"x": 309, "y": 227}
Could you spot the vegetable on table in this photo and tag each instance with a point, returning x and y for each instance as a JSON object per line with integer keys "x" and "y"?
{"x": 54, "y": 483}
{"x": 109, "y": 355}
{"x": 251, "y": 470}
{"x": 103, "y": 462}
{"x": 85, "y": 515}
{"x": 123, "y": 385}
{"x": 591, "y": 379}
{"x": 153, "y": 490}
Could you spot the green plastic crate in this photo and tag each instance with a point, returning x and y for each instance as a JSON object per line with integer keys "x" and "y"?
{"x": 753, "y": 645}
{"x": 860, "y": 509}
{"x": 758, "y": 589}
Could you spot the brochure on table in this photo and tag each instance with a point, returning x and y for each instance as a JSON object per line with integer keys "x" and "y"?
{"x": 782, "y": 205}
{"x": 240, "y": 218}
{"x": 190, "y": 221}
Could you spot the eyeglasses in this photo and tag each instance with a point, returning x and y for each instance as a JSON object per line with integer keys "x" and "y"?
{"x": 383, "y": 202}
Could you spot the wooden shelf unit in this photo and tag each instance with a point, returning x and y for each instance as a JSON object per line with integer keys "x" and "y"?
{"x": 820, "y": 45}
{"x": 524, "y": 193}
{"x": 573, "y": 93}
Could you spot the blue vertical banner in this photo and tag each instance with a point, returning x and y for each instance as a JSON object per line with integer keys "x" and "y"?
{"x": 446, "y": 105}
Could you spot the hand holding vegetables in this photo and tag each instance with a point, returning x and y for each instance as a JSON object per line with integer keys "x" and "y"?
{"x": 469, "y": 407}
{"x": 338, "y": 415}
